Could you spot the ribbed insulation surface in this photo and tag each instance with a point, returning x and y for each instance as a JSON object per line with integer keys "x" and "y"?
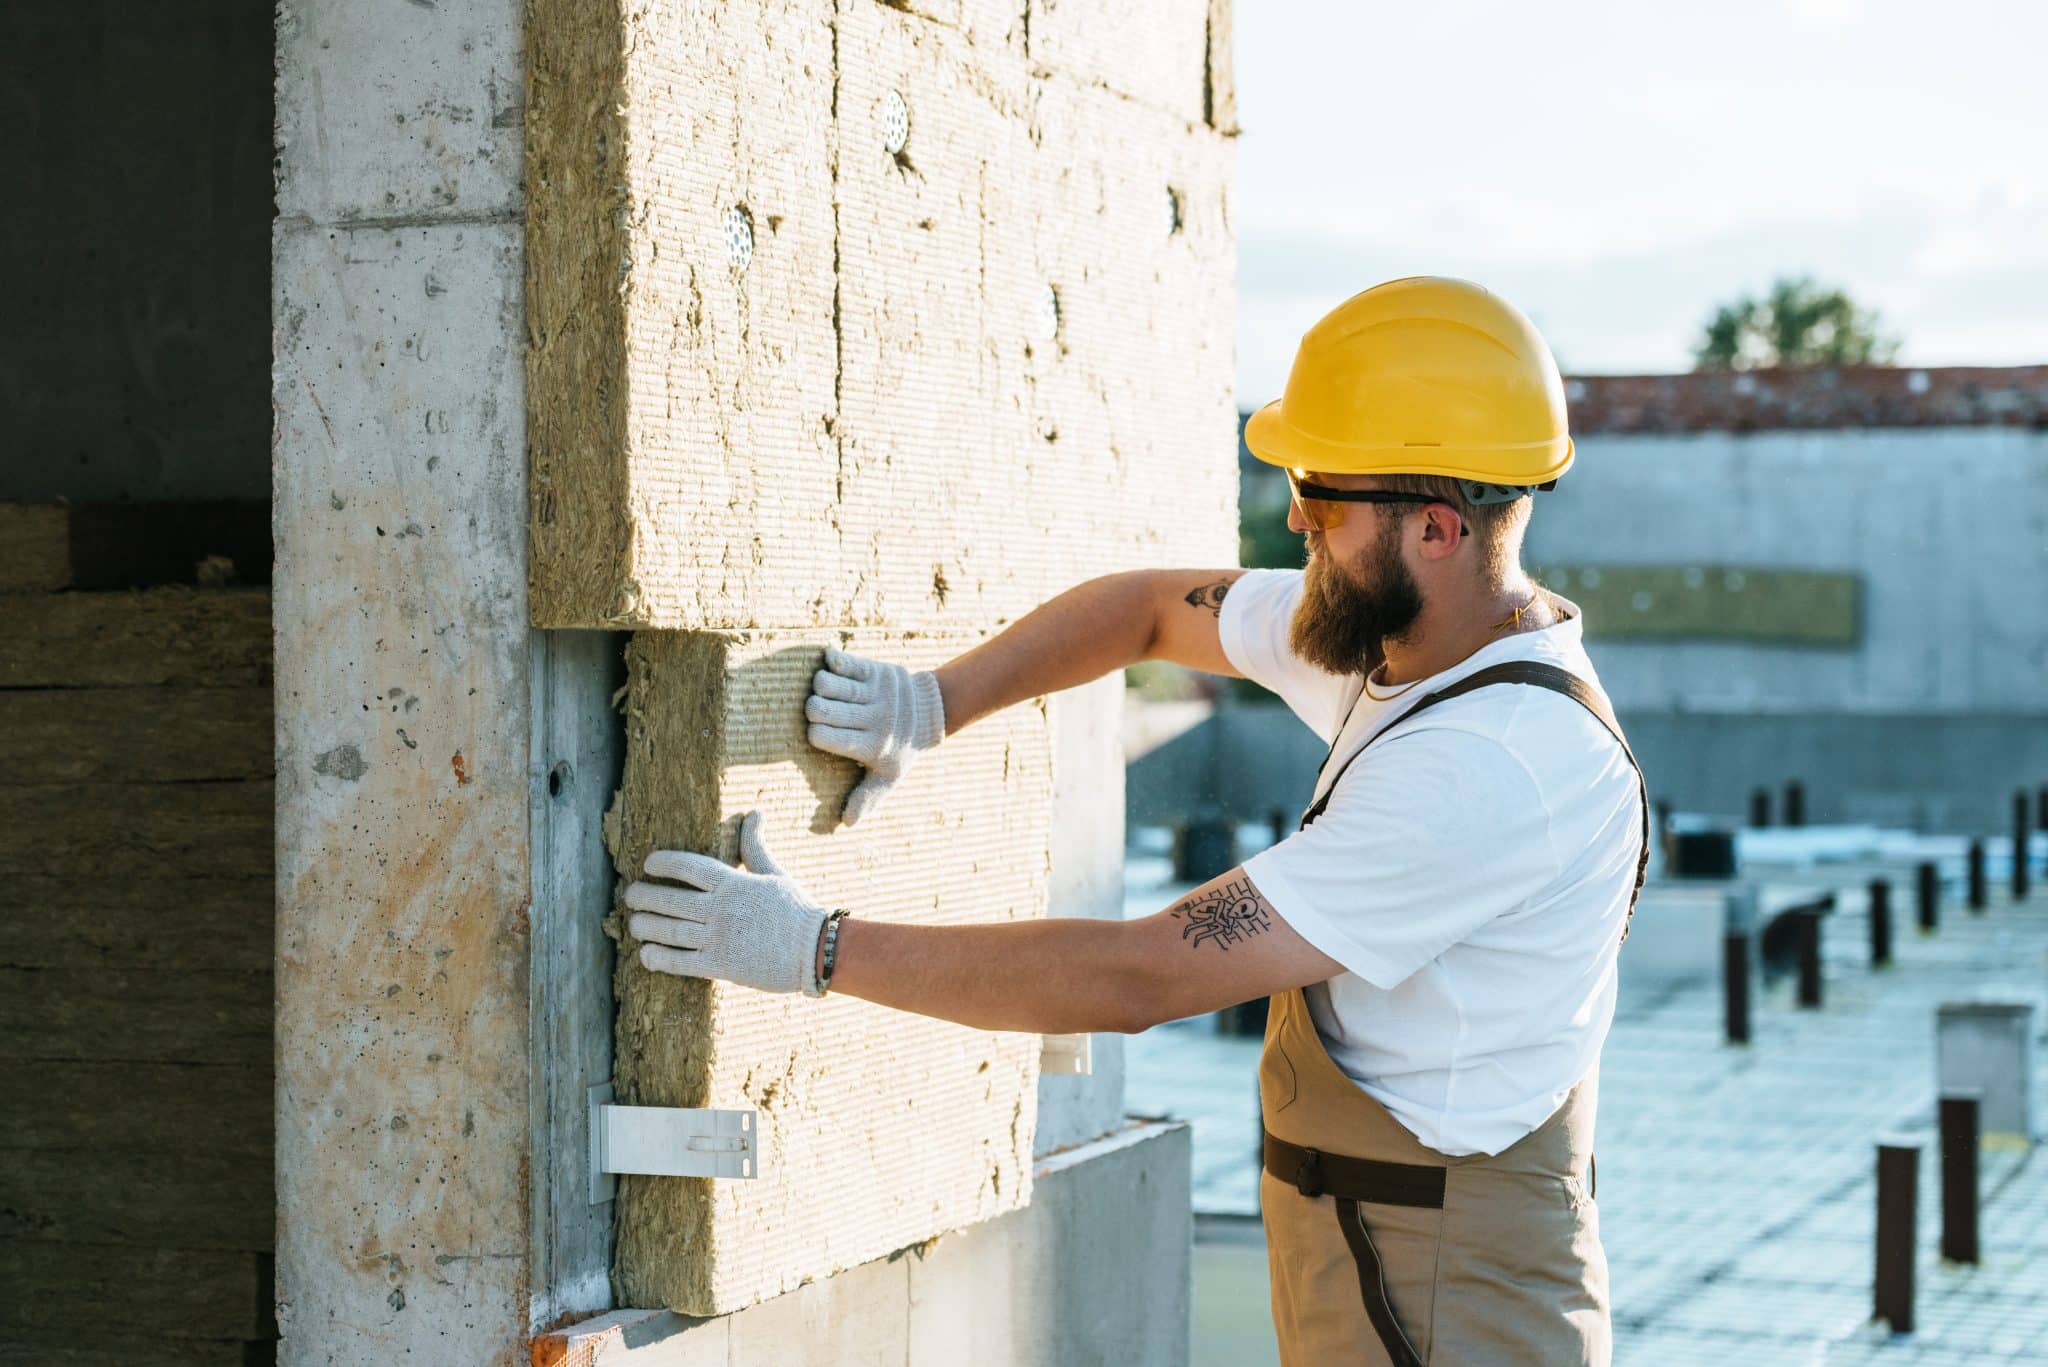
{"x": 878, "y": 1129}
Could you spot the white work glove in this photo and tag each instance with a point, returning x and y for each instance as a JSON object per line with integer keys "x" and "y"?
{"x": 879, "y": 714}
{"x": 753, "y": 926}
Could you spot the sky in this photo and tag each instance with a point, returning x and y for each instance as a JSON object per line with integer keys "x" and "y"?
{"x": 1616, "y": 169}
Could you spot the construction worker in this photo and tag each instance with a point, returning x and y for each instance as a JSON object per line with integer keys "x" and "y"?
{"x": 1439, "y": 937}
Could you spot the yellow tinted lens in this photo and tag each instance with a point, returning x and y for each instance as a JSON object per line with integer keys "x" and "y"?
{"x": 1319, "y": 514}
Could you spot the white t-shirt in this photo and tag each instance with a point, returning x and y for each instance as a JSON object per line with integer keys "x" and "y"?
{"x": 1472, "y": 872}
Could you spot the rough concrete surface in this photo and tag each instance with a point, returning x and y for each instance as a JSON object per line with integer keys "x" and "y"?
{"x": 870, "y": 322}
{"x": 402, "y": 819}
{"x": 391, "y": 114}
{"x": 878, "y": 1129}
{"x": 1094, "y": 1271}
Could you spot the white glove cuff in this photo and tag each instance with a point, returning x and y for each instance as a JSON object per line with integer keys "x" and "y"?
{"x": 803, "y": 929}
{"x": 927, "y": 711}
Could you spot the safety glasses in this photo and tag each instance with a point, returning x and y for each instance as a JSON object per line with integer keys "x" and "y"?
{"x": 1320, "y": 504}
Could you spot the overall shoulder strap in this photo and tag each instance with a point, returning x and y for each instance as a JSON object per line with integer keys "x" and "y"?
{"x": 1535, "y": 674}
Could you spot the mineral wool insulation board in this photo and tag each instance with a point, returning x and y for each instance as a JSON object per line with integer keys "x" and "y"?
{"x": 877, "y": 1129}
{"x": 918, "y": 347}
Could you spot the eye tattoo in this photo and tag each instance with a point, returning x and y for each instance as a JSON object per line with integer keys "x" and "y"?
{"x": 1227, "y": 915}
{"x": 1209, "y": 596}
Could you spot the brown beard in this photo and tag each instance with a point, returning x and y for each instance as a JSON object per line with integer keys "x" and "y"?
{"x": 1347, "y": 611}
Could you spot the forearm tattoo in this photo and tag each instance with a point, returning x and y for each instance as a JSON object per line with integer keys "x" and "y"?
{"x": 1227, "y": 915}
{"x": 1209, "y": 596}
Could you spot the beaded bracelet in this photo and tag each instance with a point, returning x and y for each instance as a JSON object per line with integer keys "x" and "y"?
{"x": 831, "y": 950}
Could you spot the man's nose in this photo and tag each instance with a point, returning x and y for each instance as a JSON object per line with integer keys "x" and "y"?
{"x": 1295, "y": 521}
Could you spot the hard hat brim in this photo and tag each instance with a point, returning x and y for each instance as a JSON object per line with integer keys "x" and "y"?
{"x": 1271, "y": 438}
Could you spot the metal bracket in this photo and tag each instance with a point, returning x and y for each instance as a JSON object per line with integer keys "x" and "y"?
{"x": 667, "y": 1141}
{"x": 1066, "y": 1054}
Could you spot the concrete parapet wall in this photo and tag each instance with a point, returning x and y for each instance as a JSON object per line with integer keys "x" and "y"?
{"x": 1942, "y": 525}
{"x": 1095, "y": 1270}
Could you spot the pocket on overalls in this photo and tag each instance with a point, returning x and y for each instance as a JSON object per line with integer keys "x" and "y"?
{"x": 1277, "y": 1083}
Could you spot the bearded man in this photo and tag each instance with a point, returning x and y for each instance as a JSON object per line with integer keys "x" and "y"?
{"x": 1439, "y": 937}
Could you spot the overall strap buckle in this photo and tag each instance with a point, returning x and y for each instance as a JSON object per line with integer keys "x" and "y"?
{"x": 1308, "y": 1178}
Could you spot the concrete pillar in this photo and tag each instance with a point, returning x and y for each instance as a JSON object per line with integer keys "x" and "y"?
{"x": 403, "y": 895}
{"x": 1986, "y": 1049}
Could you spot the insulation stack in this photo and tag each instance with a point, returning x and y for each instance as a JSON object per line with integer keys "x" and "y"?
{"x": 870, "y": 325}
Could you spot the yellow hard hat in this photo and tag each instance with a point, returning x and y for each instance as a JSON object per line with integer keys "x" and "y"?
{"x": 1422, "y": 376}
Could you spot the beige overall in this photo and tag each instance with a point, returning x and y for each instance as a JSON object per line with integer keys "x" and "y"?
{"x": 1382, "y": 1250}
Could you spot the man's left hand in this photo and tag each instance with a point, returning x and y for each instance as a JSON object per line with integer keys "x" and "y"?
{"x": 750, "y": 925}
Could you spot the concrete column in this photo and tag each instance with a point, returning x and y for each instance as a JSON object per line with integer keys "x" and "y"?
{"x": 1986, "y": 1049}
{"x": 402, "y": 656}
{"x": 1086, "y": 879}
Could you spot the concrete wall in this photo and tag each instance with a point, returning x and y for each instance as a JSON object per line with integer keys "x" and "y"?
{"x": 1945, "y": 525}
{"x": 1934, "y": 716}
{"x": 1095, "y": 1270}
{"x": 132, "y": 250}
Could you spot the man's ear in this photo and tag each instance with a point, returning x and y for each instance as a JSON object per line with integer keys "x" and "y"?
{"x": 1442, "y": 530}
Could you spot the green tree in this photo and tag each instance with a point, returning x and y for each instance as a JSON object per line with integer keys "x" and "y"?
{"x": 1797, "y": 323}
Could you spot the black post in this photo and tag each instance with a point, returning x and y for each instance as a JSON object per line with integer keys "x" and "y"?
{"x": 2021, "y": 829}
{"x": 1977, "y": 878}
{"x": 1760, "y": 808}
{"x": 1930, "y": 897}
{"x": 1795, "y": 803}
{"x": 1881, "y": 922}
{"x": 1959, "y": 1178}
{"x": 1277, "y": 819}
{"x": 1808, "y": 924}
{"x": 1898, "y": 1182}
{"x": 2041, "y": 807}
{"x": 1735, "y": 985}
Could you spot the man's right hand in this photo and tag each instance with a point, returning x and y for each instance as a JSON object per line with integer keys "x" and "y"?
{"x": 879, "y": 714}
